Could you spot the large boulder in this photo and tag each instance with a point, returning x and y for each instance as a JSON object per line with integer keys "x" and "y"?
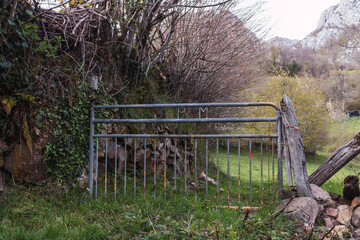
{"x": 320, "y": 195}
{"x": 304, "y": 209}
{"x": 24, "y": 165}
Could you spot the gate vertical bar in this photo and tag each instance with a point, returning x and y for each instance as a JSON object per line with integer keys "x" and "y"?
{"x": 134, "y": 168}
{"x": 91, "y": 149}
{"x": 115, "y": 150}
{"x": 262, "y": 172}
{"x": 239, "y": 177}
{"x": 96, "y": 167}
{"x": 165, "y": 170}
{"x": 250, "y": 183}
{"x": 154, "y": 168}
{"x": 195, "y": 170}
{"x": 273, "y": 166}
{"x": 106, "y": 163}
{"x": 125, "y": 157}
{"x": 217, "y": 171}
{"x": 228, "y": 171}
{"x": 175, "y": 168}
{"x": 185, "y": 165}
{"x": 279, "y": 150}
{"x": 144, "y": 167}
{"x": 207, "y": 160}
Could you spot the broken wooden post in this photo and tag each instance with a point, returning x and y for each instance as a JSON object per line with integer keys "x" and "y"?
{"x": 338, "y": 160}
{"x": 287, "y": 159}
{"x": 293, "y": 142}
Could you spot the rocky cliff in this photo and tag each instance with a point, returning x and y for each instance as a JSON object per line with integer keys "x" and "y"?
{"x": 333, "y": 22}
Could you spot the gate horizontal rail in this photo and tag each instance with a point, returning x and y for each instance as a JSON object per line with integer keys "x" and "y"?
{"x": 186, "y": 120}
{"x": 181, "y": 108}
{"x": 186, "y": 136}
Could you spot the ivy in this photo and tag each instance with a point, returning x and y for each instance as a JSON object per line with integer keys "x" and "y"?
{"x": 66, "y": 151}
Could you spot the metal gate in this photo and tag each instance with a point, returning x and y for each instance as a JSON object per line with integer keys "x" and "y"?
{"x": 193, "y": 153}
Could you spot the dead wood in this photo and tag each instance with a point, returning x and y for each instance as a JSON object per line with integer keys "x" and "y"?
{"x": 295, "y": 147}
{"x": 342, "y": 156}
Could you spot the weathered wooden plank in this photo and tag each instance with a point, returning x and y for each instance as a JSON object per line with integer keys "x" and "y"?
{"x": 338, "y": 160}
{"x": 295, "y": 147}
{"x": 287, "y": 160}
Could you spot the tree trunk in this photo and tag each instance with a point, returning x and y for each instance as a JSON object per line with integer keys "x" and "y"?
{"x": 295, "y": 147}
{"x": 338, "y": 160}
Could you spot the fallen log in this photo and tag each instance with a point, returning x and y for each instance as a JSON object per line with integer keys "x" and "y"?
{"x": 338, "y": 160}
{"x": 294, "y": 147}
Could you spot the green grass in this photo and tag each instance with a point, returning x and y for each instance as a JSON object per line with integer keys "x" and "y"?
{"x": 60, "y": 213}
{"x": 340, "y": 132}
{"x": 54, "y": 212}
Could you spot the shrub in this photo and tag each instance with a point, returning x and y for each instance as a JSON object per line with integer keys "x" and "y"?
{"x": 309, "y": 103}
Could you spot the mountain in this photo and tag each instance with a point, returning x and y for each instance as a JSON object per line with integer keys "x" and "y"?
{"x": 333, "y": 22}
{"x": 282, "y": 42}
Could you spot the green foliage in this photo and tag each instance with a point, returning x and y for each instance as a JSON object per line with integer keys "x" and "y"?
{"x": 68, "y": 125}
{"x": 309, "y": 103}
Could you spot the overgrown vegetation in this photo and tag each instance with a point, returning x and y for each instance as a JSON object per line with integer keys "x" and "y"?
{"x": 141, "y": 52}
{"x": 309, "y": 103}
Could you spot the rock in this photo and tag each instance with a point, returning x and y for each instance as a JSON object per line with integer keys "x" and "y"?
{"x": 2, "y": 181}
{"x": 328, "y": 222}
{"x": 355, "y": 203}
{"x": 339, "y": 231}
{"x": 221, "y": 190}
{"x": 355, "y": 219}
{"x": 3, "y": 147}
{"x": 356, "y": 234}
{"x": 287, "y": 194}
{"x": 101, "y": 154}
{"x": 344, "y": 215}
{"x": 303, "y": 208}
{"x": 333, "y": 204}
{"x": 101, "y": 169}
{"x": 331, "y": 212}
{"x": 202, "y": 177}
{"x": 1, "y": 159}
{"x": 335, "y": 196}
{"x": 120, "y": 151}
{"x": 140, "y": 154}
{"x": 24, "y": 166}
{"x": 320, "y": 195}
{"x": 351, "y": 188}
{"x": 321, "y": 207}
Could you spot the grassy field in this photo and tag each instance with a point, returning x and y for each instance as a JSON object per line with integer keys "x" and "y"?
{"x": 340, "y": 132}
{"x": 55, "y": 211}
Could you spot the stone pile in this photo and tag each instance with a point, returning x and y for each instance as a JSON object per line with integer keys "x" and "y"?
{"x": 337, "y": 217}
{"x": 159, "y": 149}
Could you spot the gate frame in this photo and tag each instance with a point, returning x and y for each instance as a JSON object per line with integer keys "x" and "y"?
{"x": 201, "y": 107}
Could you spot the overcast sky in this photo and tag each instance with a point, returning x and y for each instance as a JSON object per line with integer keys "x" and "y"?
{"x": 294, "y": 19}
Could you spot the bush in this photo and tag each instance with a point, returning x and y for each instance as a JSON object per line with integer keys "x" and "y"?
{"x": 309, "y": 103}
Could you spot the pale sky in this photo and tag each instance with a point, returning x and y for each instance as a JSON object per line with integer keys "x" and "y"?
{"x": 294, "y": 19}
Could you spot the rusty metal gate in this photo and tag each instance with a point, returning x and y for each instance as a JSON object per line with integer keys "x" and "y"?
{"x": 189, "y": 152}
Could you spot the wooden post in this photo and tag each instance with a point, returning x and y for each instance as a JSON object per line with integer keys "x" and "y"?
{"x": 293, "y": 142}
{"x": 338, "y": 160}
{"x": 287, "y": 159}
